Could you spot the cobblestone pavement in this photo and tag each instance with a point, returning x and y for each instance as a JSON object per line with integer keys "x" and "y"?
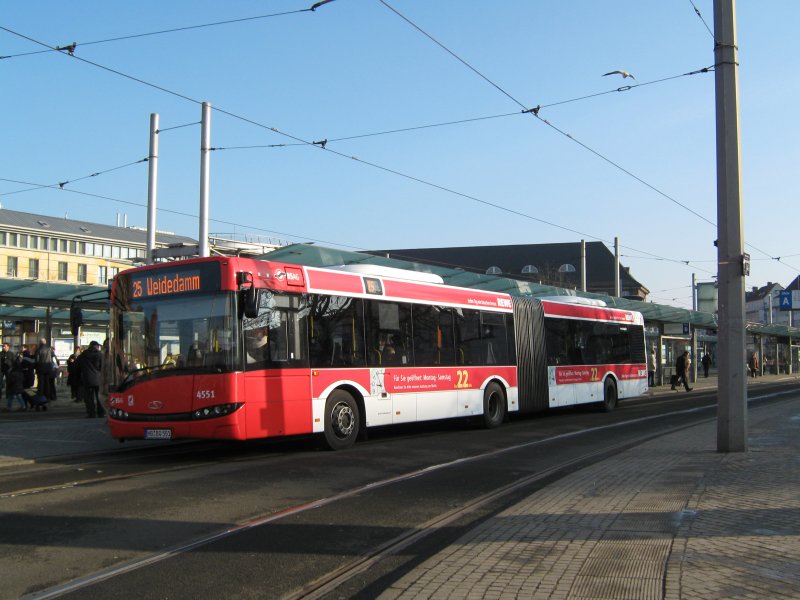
{"x": 671, "y": 519}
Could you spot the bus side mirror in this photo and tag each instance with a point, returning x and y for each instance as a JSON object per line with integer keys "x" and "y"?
{"x": 75, "y": 318}
{"x": 249, "y": 296}
{"x": 250, "y": 303}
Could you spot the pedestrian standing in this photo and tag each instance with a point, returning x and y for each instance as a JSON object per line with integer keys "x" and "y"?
{"x": 754, "y": 365}
{"x": 651, "y": 369}
{"x": 706, "y": 362}
{"x": 74, "y": 376}
{"x": 28, "y": 367}
{"x": 90, "y": 366}
{"x": 15, "y": 382}
{"x": 7, "y": 360}
{"x": 46, "y": 370}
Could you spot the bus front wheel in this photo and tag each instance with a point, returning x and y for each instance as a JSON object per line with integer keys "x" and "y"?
{"x": 609, "y": 395}
{"x": 342, "y": 420}
{"x": 494, "y": 406}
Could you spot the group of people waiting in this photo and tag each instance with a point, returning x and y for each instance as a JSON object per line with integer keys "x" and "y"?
{"x": 20, "y": 370}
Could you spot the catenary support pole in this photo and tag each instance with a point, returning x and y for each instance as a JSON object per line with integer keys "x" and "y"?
{"x": 205, "y": 165}
{"x": 617, "y": 288}
{"x": 152, "y": 188}
{"x": 732, "y": 391}
{"x": 583, "y": 265}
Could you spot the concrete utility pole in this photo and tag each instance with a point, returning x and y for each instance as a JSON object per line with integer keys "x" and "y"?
{"x": 152, "y": 188}
{"x": 205, "y": 166}
{"x": 693, "y": 331}
{"x": 733, "y": 263}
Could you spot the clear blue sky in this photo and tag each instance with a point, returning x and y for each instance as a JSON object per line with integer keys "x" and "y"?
{"x": 354, "y": 67}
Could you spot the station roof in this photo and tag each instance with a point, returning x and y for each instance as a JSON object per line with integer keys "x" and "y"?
{"x": 318, "y": 256}
{"x": 30, "y": 299}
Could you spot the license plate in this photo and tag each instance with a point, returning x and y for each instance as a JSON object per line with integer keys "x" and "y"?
{"x": 158, "y": 434}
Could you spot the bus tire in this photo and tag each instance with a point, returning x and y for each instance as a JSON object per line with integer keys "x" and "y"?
{"x": 342, "y": 420}
{"x": 609, "y": 395}
{"x": 494, "y": 406}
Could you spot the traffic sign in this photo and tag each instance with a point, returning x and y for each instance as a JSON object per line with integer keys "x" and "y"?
{"x": 785, "y": 300}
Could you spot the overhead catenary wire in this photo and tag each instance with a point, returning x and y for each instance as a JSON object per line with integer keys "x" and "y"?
{"x": 75, "y": 45}
{"x": 323, "y": 147}
{"x": 163, "y": 129}
{"x": 61, "y": 184}
{"x": 700, "y": 16}
{"x": 535, "y": 113}
{"x": 177, "y": 212}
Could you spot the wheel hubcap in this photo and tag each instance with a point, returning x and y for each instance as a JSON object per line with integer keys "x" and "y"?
{"x": 343, "y": 420}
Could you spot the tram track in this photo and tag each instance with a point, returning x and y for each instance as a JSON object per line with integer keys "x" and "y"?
{"x": 92, "y": 468}
{"x": 327, "y": 508}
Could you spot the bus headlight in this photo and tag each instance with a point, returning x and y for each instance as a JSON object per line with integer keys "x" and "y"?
{"x": 218, "y": 410}
{"x": 118, "y": 413}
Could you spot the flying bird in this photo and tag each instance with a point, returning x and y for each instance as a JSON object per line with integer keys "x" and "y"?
{"x": 624, "y": 74}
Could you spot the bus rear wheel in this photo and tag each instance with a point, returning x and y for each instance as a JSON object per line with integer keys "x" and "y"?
{"x": 342, "y": 420}
{"x": 494, "y": 406}
{"x": 609, "y": 395}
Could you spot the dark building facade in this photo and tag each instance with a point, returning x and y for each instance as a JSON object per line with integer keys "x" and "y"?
{"x": 549, "y": 264}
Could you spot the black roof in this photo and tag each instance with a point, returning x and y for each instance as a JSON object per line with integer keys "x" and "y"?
{"x": 512, "y": 259}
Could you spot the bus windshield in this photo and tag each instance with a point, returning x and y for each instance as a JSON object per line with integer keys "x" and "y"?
{"x": 196, "y": 333}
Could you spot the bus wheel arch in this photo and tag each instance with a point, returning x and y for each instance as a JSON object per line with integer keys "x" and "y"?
{"x": 344, "y": 416}
{"x": 610, "y": 394}
{"x": 494, "y": 405}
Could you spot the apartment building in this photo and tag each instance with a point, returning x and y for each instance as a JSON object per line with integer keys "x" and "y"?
{"x": 55, "y": 249}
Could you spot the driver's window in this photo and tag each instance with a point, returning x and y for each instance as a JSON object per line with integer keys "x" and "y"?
{"x": 277, "y": 337}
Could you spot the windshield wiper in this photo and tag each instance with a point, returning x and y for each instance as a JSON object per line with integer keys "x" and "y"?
{"x": 129, "y": 375}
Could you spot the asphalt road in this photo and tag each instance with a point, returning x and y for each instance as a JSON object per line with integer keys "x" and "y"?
{"x": 269, "y": 519}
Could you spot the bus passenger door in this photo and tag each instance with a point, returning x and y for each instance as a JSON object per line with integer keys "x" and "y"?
{"x": 561, "y": 388}
{"x": 403, "y": 398}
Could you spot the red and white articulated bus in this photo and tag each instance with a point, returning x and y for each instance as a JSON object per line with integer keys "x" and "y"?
{"x": 238, "y": 348}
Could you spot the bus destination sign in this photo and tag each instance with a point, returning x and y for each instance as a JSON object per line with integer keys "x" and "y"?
{"x": 175, "y": 280}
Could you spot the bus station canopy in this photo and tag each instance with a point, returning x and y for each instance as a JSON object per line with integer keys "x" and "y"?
{"x": 311, "y": 255}
{"x": 22, "y": 299}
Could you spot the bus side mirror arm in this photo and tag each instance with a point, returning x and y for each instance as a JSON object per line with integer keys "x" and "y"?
{"x": 249, "y": 296}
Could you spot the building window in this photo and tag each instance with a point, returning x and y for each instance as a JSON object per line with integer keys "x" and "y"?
{"x": 34, "y": 243}
{"x": 73, "y": 247}
{"x": 115, "y": 251}
{"x": 62, "y": 246}
{"x": 43, "y": 243}
{"x": 62, "y": 271}
{"x": 53, "y": 245}
{"x": 106, "y": 250}
{"x": 82, "y": 273}
{"x": 81, "y": 247}
{"x": 33, "y": 268}
{"x": 113, "y": 271}
{"x": 23, "y": 240}
{"x": 2, "y": 238}
{"x": 12, "y": 239}
{"x": 102, "y": 275}
{"x": 11, "y": 270}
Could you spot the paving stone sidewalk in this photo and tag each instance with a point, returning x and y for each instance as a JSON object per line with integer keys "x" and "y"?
{"x": 671, "y": 519}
